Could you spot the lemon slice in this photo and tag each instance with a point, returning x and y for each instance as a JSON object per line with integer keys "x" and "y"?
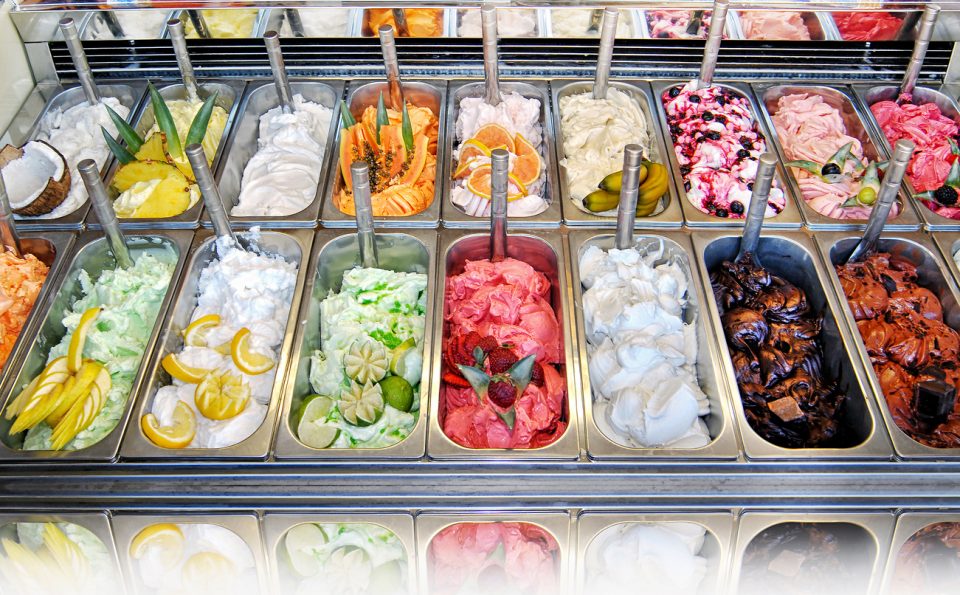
{"x": 222, "y": 396}
{"x": 362, "y": 405}
{"x": 75, "y": 351}
{"x": 195, "y": 335}
{"x": 76, "y": 387}
{"x": 179, "y": 435}
{"x": 300, "y": 543}
{"x": 248, "y": 361}
{"x": 208, "y": 569}
{"x": 182, "y": 372}
{"x": 166, "y": 539}
{"x": 312, "y": 428}
{"x": 407, "y": 362}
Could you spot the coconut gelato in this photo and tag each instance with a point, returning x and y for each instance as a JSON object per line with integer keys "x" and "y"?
{"x": 575, "y": 22}
{"x": 517, "y": 22}
{"x": 142, "y": 24}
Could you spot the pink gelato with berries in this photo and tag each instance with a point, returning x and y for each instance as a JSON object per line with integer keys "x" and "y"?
{"x": 718, "y": 143}
{"x": 672, "y": 24}
{"x": 495, "y": 315}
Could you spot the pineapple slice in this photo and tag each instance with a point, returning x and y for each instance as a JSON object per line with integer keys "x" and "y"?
{"x": 170, "y": 198}
{"x": 154, "y": 149}
{"x": 183, "y": 164}
{"x": 144, "y": 171}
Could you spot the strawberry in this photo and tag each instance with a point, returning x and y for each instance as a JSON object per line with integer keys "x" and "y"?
{"x": 455, "y": 380}
{"x": 500, "y": 360}
{"x": 488, "y": 344}
{"x": 537, "y": 377}
{"x": 471, "y": 341}
{"x": 502, "y": 393}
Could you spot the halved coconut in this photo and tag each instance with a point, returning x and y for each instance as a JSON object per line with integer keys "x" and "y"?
{"x": 37, "y": 177}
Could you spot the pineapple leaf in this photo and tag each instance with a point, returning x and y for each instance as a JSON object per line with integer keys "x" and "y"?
{"x": 198, "y": 128}
{"x": 521, "y": 372}
{"x": 119, "y": 151}
{"x": 477, "y": 378}
{"x": 127, "y": 133}
{"x": 165, "y": 121}
{"x": 406, "y": 129}
{"x": 346, "y": 118}
{"x": 509, "y": 417}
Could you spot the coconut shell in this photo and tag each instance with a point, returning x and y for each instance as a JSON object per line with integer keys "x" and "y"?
{"x": 53, "y": 194}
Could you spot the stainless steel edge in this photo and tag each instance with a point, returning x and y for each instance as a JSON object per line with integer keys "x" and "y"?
{"x": 567, "y": 446}
{"x": 669, "y": 215}
{"x": 724, "y": 444}
{"x": 259, "y": 97}
{"x": 915, "y": 246}
{"x": 829, "y": 26}
{"x": 834, "y": 95}
{"x": 296, "y": 246}
{"x": 229, "y": 91}
{"x": 949, "y": 245}
{"x": 432, "y": 91}
{"x": 789, "y": 218}
{"x": 31, "y": 361}
{"x": 908, "y": 524}
{"x": 286, "y": 444}
{"x": 453, "y": 216}
{"x": 802, "y": 255}
{"x": 870, "y": 94}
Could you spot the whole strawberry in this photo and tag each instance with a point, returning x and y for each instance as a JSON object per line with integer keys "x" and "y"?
{"x": 502, "y": 393}
{"x": 501, "y": 359}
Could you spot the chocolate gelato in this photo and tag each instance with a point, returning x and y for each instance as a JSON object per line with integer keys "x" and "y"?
{"x": 929, "y": 562}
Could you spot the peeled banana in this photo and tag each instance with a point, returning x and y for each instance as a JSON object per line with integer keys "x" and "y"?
{"x": 653, "y": 185}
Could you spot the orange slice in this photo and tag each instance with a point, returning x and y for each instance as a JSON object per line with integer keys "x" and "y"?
{"x": 473, "y": 148}
{"x": 495, "y": 136}
{"x": 527, "y": 165}
{"x": 479, "y": 184}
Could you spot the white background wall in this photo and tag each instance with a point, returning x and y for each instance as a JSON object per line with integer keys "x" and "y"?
{"x": 16, "y": 80}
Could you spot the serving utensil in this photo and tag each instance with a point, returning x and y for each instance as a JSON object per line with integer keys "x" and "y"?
{"x": 608, "y": 36}
{"x": 712, "y": 48}
{"x": 8, "y": 229}
{"x": 500, "y": 169}
{"x": 491, "y": 74}
{"x": 363, "y": 207}
{"x": 928, "y": 20}
{"x": 400, "y": 18}
{"x": 766, "y": 167}
{"x": 179, "y": 41}
{"x": 388, "y": 45}
{"x": 199, "y": 23}
{"x": 296, "y": 23}
{"x": 272, "y": 40}
{"x": 69, "y": 30}
{"x": 103, "y": 207}
{"x": 210, "y": 192}
{"x": 629, "y": 192}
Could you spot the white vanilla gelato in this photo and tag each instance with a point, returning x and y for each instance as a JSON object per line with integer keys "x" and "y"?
{"x": 575, "y": 22}
{"x": 319, "y": 22}
{"x": 282, "y": 177}
{"x": 641, "y": 353}
{"x": 665, "y": 558}
{"x": 520, "y": 22}
{"x": 142, "y": 24}
{"x": 75, "y": 132}
{"x": 594, "y": 133}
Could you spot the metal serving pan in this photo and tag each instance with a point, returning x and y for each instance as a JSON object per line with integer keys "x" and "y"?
{"x": 908, "y": 524}
{"x": 718, "y": 541}
{"x": 731, "y": 30}
{"x": 256, "y": 31}
{"x": 545, "y": 252}
{"x": 863, "y": 541}
{"x": 921, "y": 95}
{"x": 275, "y": 19}
{"x": 285, "y": 579}
{"x": 789, "y": 218}
{"x": 360, "y": 95}
{"x": 842, "y": 100}
{"x": 453, "y": 216}
{"x": 259, "y": 98}
{"x": 96, "y": 19}
{"x": 631, "y": 16}
{"x": 539, "y": 30}
{"x": 293, "y": 246}
{"x": 334, "y": 253}
{"x": 92, "y": 254}
{"x": 814, "y": 21}
{"x": 710, "y": 374}
{"x": 949, "y": 245}
{"x": 246, "y": 527}
{"x": 557, "y": 524}
{"x": 918, "y": 249}
{"x": 668, "y": 213}
{"x": 63, "y": 98}
{"x": 229, "y": 92}
{"x": 791, "y": 256}
{"x": 361, "y": 28}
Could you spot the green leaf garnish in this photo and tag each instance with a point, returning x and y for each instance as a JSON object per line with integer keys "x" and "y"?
{"x": 521, "y": 372}
{"x": 382, "y": 118}
{"x": 509, "y": 417}
{"x": 119, "y": 151}
{"x": 477, "y": 378}
{"x": 165, "y": 121}
{"x": 127, "y": 133}
{"x": 346, "y": 118}
{"x": 198, "y": 128}
{"x": 406, "y": 129}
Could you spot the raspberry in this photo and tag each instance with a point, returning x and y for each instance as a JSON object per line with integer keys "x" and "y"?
{"x": 501, "y": 360}
{"x": 502, "y": 394}
{"x": 537, "y": 377}
{"x": 488, "y": 344}
{"x": 455, "y": 380}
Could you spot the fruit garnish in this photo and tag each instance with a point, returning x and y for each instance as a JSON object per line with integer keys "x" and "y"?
{"x": 397, "y": 392}
{"x": 67, "y": 554}
{"x": 144, "y": 171}
{"x": 75, "y": 388}
{"x": 362, "y": 405}
{"x": 502, "y": 390}
{"x": 163, "y": 540}
{"x": 382, "y": 118}
{"x": 169, "y": 198}
{"x": 300, "y": 542}
{"x": 406, "y": 128}
{"x": 79, "y": 337}
{"x": 82, "y": 412}
{"x": 208, "y": 570}
{"x": 43, "y": 399}
{"x": 182, "y": 372}
{"x": 472, "y": 149}
{"x": 127, "y": 132}
{"x": 165, "y": 121}
{"x": 312, "y": 427}
{"x": 479, "y": 183}
{"x": 366, "y": 361}
{"x": 154, "y": 149}
{"x": 407, "y": 361}
{"x": 946, "y": 194}
{"x": 249, "y": 361}
{"x": 201, "y": 121}
{"x": 178, "y": 435}
{"x": 464, "y": 167}
{"x": 195, "y": 335}
{"x": 526, "y": 167}
{"x": 221, "y": 396}
{"x": 496, "y": 136}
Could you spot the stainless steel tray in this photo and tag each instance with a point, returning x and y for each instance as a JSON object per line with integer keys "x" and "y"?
{"x": 334, "y": 253}
{"x": 814, "y": 21}
{"x": 557, "y": 524}
{"x": 229, "y": 92}
{"x": 841, "y": 99}
{"x": 245, "y": 526}
{"x": 792, "y": 256}
{"x": 631, "y": 16}
{"x": 861, "y": 530}
{"x": 293, "y": 246}
{"x": 546, "y": 253}
{"x": 91, "y": 253}
{"x": 260, "y": 97}
{"x": 789, "y": 218}
{"x": 870, "y": 94}
{"x": 669, "y": 213}
{"x": 717, "y": 545}
{"x": 540, "y": 27}
{"x": 949, "y": 245}
{"x": 710, "y": 373}
{"x": 277, "y": 524}
{"x": 908, "y": 524}
{"x": 918, "y": 249}
{"x": 453, "y": 216}
{"x": 63, "y": 98}
{"x": 274, "y": 20}
{"x": 361, "y": 94}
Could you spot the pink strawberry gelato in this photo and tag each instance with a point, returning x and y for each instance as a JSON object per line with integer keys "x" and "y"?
{"x": 504, "y": 305}
{"x": 773, "y": 25}
{"x": 672, "y": 24}
{"x": 718, "y": 144}
{"x": 867, "y": 26}
{"x": 516, "y": 558}
{"x": 810, "y": 129}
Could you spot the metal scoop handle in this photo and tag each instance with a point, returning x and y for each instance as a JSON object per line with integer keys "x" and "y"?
{"x": 210, "y": 192}
{"x": 199, "y": 23}
{"x": 391, "y": 64}
{"x": 8, "y": 229}
{"x": 629, "y": 192}
{"x": 69, "y": 29}
{"x": 608, "y": 36}
{"x": 712, "y": 49}
{"x": 596, "y": 20}
{"x": 766, "y": 168}
{"x": 363, "y": 207}
{"x": 491, "y": 71}
{"x": 113, "y": 24}
{"x": 296, "y": 23}
{"x": 695, "y": 20}
{"x": 927, "y": 22}
{"x": 179, "y": 41}
{"x": 400, "y": 18}
{"x": 272, "y": 40}
{"x": 500, "y": 169}
{"x": 103, "y": 207}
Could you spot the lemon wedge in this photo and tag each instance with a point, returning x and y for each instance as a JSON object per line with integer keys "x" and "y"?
{"x": 75, "y": 352}
{"x": 179, "y": 435}
{"x": 164, "y": 538}
{"x": 222, "y": 396}
{"x": 195, "y": 335}
{"x": 248, "y": 361}
{"x": 182, "y": 372}
{"x": 208, "y": 569}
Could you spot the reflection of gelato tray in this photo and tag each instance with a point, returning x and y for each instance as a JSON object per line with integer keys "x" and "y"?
{"x": 668, "y": 214}
{"x": 196, "y": 553}
{"x": 792, "y": 256}
{"x": 59, "y": 99}
{"x": 719, "y": 423}
{"x": 317, "y": 22}
{"x": 522, "y": 553}
{"x": 949, "y": 244}
{"x": 833, "y": 554}
{"x": 244, "y": 143}
{"x": 520, "y": 22}
{"x": 545, "y": 252}
{"x": 360, "y": 96}
{"x": 917, "y": 249}
{"x": 334, "y": 253}
{"x": 142, "y": 24}
{"x": 350, "y": 553}
{"x": 92, "y": 256}
{"x": 256, "y": 29}
{"x": 629, "y": 24}
{"x": 730, "y": 31}
{"x": 292, "y": 246}
{"x": 841, "y": 100}
{"x": 924, "y": 555}
{"x": 673, "y": 553}
{"x": 819, "y": 25}
{"x": 442, "y": 25}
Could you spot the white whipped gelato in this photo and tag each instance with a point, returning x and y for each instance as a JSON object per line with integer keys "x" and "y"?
{"x": 281, "y": 178}
{"x": 319, "y": 22}
{"x": 142, "y": 24}
{"x": 595, "y": 132}
{"x": 245, "y": 289}
{"x": 575, "y": 22}
{"x": 521, "y": 22}
{"x": 662, "y": 557}
{"x": 641, "y": 353}
{"x": 75, "y": 132}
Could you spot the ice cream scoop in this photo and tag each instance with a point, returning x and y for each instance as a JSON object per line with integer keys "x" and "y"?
{"x": 210, "y": 193}
{"x": 491, "y": 76}
{"x": 271, "y": 39}
{"x": 79, "y": 57}
{"x": 179, "y": 42}
{"x": 105, "y": 213}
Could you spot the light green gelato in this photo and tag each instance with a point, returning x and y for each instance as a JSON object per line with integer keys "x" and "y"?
{"x": 131, "y": 300}
{"x": 388, "y": 307}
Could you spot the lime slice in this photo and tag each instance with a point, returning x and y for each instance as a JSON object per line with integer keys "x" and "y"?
{"x": 362, "y": 405}
{"x": 353, "y": 562}
{"x": 298, "y": 414}
{"x": 407, "y": 361}
{"x": 397, "y": 392}
{"x": 312, "y": 428}
{"x": 387, "y": 578}
{"x": 300, "y": 543}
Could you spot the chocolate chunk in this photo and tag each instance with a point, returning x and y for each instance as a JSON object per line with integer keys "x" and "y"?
{"x": 786, "y": 409}
{"x": 787, "y": 564}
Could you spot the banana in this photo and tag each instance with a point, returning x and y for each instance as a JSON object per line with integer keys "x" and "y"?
{"x": 611, "y": 182}
{"x": 599, "y": 201}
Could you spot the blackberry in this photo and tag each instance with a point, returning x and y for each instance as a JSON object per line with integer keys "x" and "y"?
{"x": 945, "y": 195}
{"x": 743, "y": 153}
{"x": 722, "y": 213}
{"x": 721, "y": 100}
{"x": 720, "y": 119}
{"x": 832, "y": 169}
{"x": 676, "y": 129}
{"x": 746, "y": 144}
{"x": 736, "y": 207}
{"x": 750, "y": 186}
{"x": 674, "y": 91}
{"x": 744, "y": 140}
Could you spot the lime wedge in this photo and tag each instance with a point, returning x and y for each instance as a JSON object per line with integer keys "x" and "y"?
{"x": 300, "y": 543}
{"x": 397, "y": 392}
{"x": 312, "y": 428}
{"x": 407, "y": 362}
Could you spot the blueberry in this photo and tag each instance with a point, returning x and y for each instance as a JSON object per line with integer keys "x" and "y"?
{"x": 684, "y": 170}
{"x": 736, "y": 207}
{"x": 750, "y": 186}
{"x": 721, "y": 119}
{"x": 713, "y": 135}
{"x": 721, "y": 100}
{"x": 675, "y": 129}
{"x": 694, "y": 99}
{"x": 744, "y": 141}
{"x": 707, "y": 116}
{"x": 743, "y": 153}
{"x": 746, "y": 145}
{"x": 674, "y": 92}
{"x": 722, "y": 213}
{"x": 686, "y": 186}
